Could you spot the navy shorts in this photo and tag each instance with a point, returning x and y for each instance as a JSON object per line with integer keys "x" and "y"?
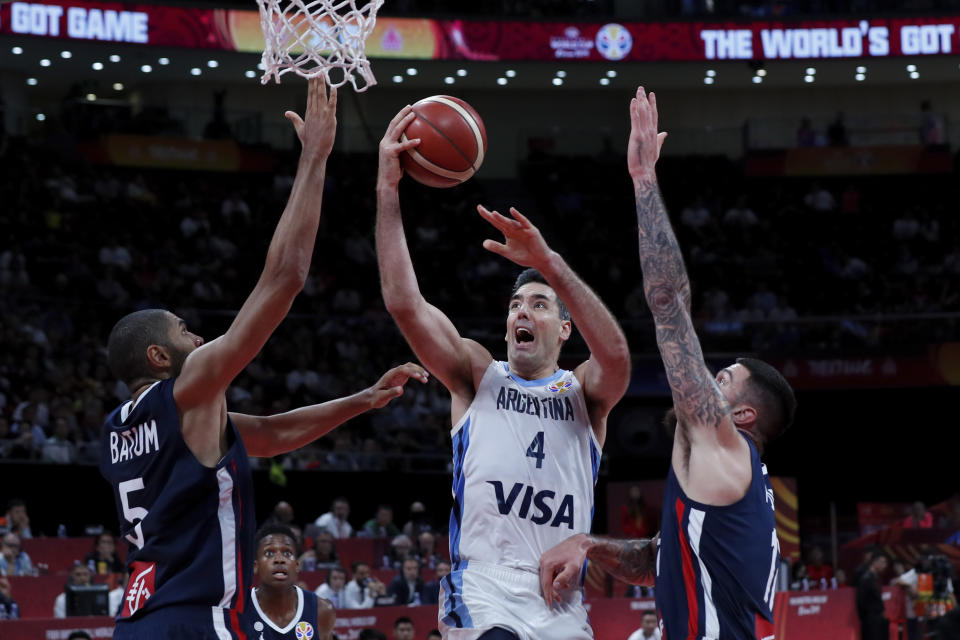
{"x": 183, "y": 623}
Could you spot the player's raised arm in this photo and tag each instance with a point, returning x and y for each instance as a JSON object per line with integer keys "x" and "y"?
{"x": 267, "y": 436}
{"x": 437, "y": 343}
{"x": 606, "y": 374}
{"x": 701, "y": 407}
{"x": 209, "y": 370}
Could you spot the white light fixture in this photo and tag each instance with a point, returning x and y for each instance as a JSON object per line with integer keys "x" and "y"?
{"x": 41, "y": 117}
{"x": 711, "y": 73}
{"x": 44, "y": 63}
{"x": 811, "y": 71}
{"x": 164, "y": 61}
{"x": 261, "y": 67}
{"x": 808, "y": 78}
{"x": 114, "y": 58}
{"x": 195, "y": 71}
{"x": 757, "y": 79}
{"x": 398, "y": 78}
{"x": 510, "y": 73}
{"x": 213, "y": 64}
{"x": 762, "y": 73}
{"x": 146, "y": 68}
{"x": 32, "y": 82}
{"x": 17, "y": 50}
{"x": 911, "y": 68}
{"x": 914, "y": 75}
{"x": 250, "y": 73}
{"x": 448, "y": 80}
{"x": 708, "y": 80}
{"x": 97, "y": 66}
{"x": 118, "y": 86}
{"x": 411, "y": 71}
{"x": 604, "y": 81}
{"x": 561, "y": 73}
{"x": 501, "y": 81}
{"x": 461, "y": 72}
{"x": 557, "y": 82}
{"x": 860, "y": 77}
{"x": 91, "y": 97}
{"x": 66, "y": 55}
{"x": 861, "y": 69}
{"x": 611, "y": 73}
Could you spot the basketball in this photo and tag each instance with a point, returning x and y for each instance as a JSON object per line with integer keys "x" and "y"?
{"x": 453, "y": 142}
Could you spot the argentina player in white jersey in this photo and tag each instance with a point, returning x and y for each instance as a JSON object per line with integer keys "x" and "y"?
{"x": 526, "y": 434}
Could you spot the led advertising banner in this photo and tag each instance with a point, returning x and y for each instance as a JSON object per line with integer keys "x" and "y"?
{"x": 486, "y": 40}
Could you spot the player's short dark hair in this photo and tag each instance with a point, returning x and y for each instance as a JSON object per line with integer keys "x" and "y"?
{"x": 649, "y": 612}
{"x": 273, "y": 529}
{"x": 771, "y": 391}
{"x": 129, "y": 340}
{"x": 434, "y": 633}
{"x": 401, "y": 620}
{"x": 532, "y": 275}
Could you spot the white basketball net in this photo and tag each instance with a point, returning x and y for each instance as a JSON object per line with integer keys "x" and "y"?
{"x": 322, "y": 37}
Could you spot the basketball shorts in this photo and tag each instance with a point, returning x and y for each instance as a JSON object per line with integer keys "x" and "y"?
{"x": 183, "y": 623}
{"x": 478, "y": 597}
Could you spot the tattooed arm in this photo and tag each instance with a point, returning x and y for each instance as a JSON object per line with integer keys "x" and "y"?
{"x": 697, "y": 398}
{"x": 632, "y": 561}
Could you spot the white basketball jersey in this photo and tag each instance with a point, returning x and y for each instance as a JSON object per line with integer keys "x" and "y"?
{"x": 525, "y": 462}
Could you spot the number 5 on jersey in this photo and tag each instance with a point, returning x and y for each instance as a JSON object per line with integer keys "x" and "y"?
{"x": 133, "y": 515}
{"x": 535, "y": 450}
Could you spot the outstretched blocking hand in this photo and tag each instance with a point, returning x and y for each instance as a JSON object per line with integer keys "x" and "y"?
{"x": 524, "y": 245}
{"x": 560, "y": 566}
{"x": 643, "y": 150}
{"x": 390, "y": 385}
{"x": 391, "y": 147}
{"x": 318, "y": 128}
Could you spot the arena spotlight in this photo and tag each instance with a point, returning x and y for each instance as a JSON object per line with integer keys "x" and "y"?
{"x": 164, "y": 61}
{"x": 914, "y": 75}
{"x": 114, "y": 58}
{"x": 711, "y": 73}
{"x": 17, "y": 50}
{"x": 97, "y": 66}
{"x": 213, "y": 64}
{"x": 605, "y": 81}
{"x": 195, "y": 71}
{"x": 911, "y": 68}
{"x": 861, "y": 69}
{"x": 41, "y": 117}
{"x": 502, "y": 81}
{"x": 557, "y": 82}
{"x": 510, "y": 73}
{"x": 757, "y": 79}
{"x": 561, "y": 73}
{"x": 811, "y": 71}
{"x": 118, "y": 86}
{"x": 449, "y": 80}
{"x": 808, "y": 78}
{"x": 398, "y": 78}
{"x": 146, "y": 68}
{"x": 91, "y": 97}
{"x": 461, "y": 72}
{"x": 32, "y": 82}
{"x": 66, "y": 55}
{"x": 762, "y": 73}
{"x": 860, "y": 77}
{"x": 708, "y": 80}
{"x": 44, "y": 63}
{"x": 250, "y": 73}
{"x": 411, "y": 71}
{"x": 612, "y": 73}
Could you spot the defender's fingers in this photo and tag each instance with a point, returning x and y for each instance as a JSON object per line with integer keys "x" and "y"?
{"x": 332, "y": 98}
{"x": 295, "y": 118}
{"x": 660, "y": 139}
{"x": 501, "y": 222}
{"x": 522, "y": 219}
{"x": 495, "y": 247}
{"x": 653, "y": 108}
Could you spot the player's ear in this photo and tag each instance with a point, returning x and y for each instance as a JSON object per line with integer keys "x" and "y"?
{"x": 566, "y": 328}
{"x": 158, "y": 356}
{"x": 744, "y": 417}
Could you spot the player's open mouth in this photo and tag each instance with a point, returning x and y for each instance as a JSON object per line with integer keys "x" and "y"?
{"x": 280, "y": 574}
{"x": 522, "y": 334}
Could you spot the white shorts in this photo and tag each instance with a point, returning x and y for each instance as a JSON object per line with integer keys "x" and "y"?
{"x": 480, "y": 596}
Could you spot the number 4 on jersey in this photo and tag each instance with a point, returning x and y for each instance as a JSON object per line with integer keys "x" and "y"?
{"x": 535, "y": 450}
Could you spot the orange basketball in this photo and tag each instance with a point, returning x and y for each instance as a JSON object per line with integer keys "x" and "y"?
{"x": 453, "y": 142}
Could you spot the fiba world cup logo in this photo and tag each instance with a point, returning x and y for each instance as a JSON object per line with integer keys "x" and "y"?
{"x": 304, "y": 630}
{"x": 614, "y": 41}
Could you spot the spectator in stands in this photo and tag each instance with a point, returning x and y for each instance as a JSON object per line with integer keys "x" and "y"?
{"x": 907, "y": 581}
{"x": 806, "y": 136}
{"x": 819, "y": 572}
{"x": 115, "y": 597}
{"x": 400, "y": 548}
{"x": 363, "y": 590}
{"x": 13, "y": 446}
{"x": 334, "y": 589}
{"x": 80, "y": 575}
{"x": 819, "y": 199}
{"x": 335, "y": 520}
{"x": 407, "y": 588}
{"x": 434, "y": 635}
{"x": 635, "y": 517}
{"x": 16, "y": 519}
{"x": 403, "y": 629}
{"x": 426, "y": 550}
{"x": 870, "y": 608}
{"x": 931, "y": 125}
{"x": 919, "y": 517}
{"x": 325, "y": 551}
{"x": 103, "y": 560}
{"x": 868, "y": 552}
{"x": 14, "y": 561}
{"x": 648, "y": 627}
{"x": 800, "y": 581}
{"x": 381, "y": 526}
{"x": 27, "y": 424}
{"x": 282, "y": 514}
{"x": 837, "y": 132}
{"x": 9, "y": 610}
{"x": 696, "y": 216}
{"x": 740, "y": 215}
{"x": 431, "y": 590}
{"x": 420, "y": 519}
{"x": 840, "y": 579}
{"x": 59, "y": 447}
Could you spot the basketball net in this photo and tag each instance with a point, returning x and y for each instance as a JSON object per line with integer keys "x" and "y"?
{"x": 318, "y": 37}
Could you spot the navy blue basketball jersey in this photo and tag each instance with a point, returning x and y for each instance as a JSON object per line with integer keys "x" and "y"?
{"x": 189, "y": 528}
{"x": 303, "y": 626}
{"x": 717, "y": 566}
